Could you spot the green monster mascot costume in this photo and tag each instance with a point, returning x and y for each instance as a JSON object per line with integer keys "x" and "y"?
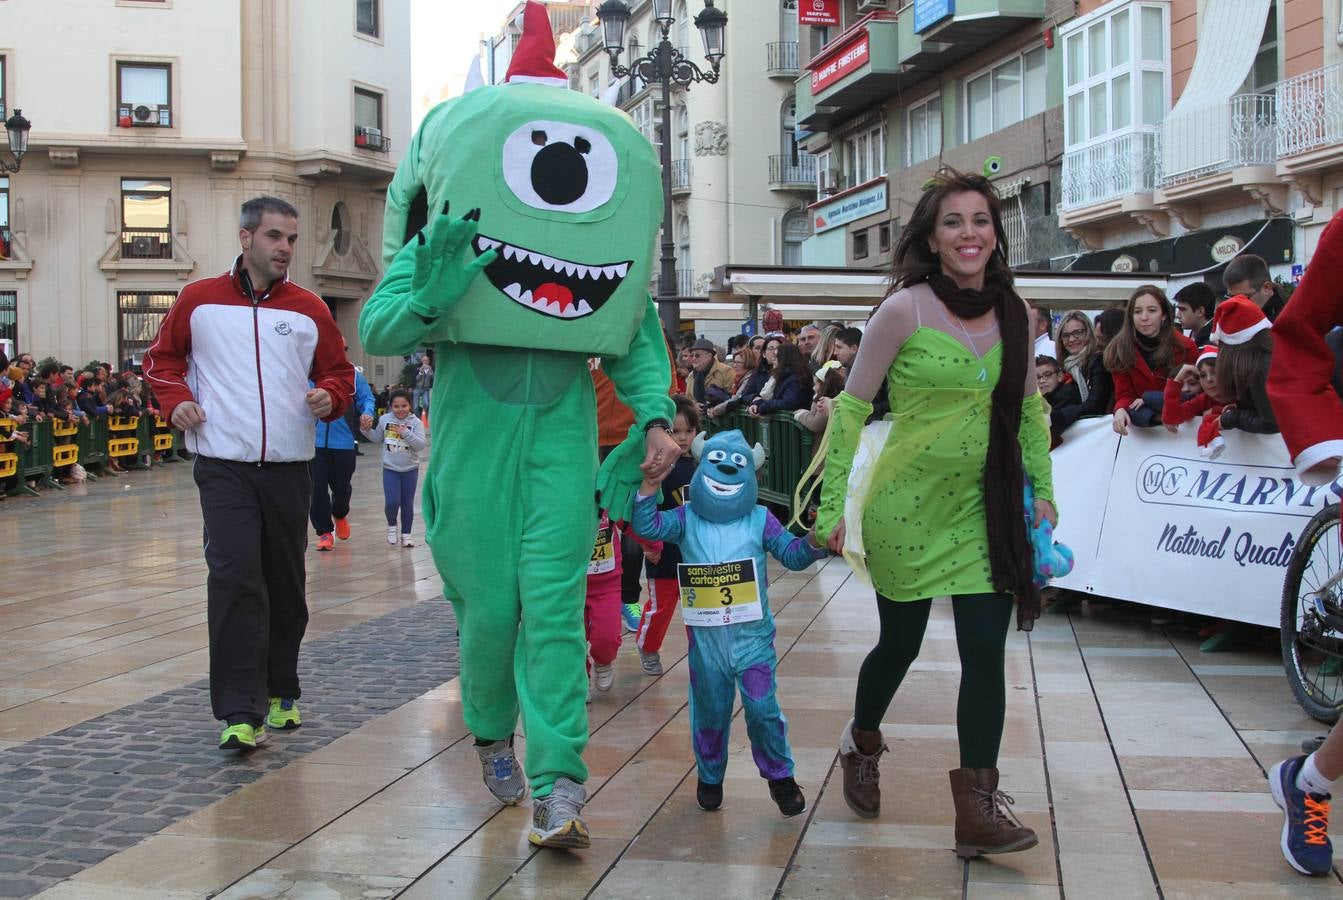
{"x": 543, "y": 206}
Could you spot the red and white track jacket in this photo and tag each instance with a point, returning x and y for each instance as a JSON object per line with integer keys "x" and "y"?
{"x": 248, "y": 363}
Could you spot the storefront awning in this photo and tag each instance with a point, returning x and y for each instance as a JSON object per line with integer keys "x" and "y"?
{"x": 858, "y": 290}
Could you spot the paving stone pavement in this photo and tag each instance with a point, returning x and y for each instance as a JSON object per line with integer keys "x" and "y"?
{"x": 75, "y": 797}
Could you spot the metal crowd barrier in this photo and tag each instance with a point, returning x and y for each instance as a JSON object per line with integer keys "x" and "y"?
{"x": 55, "y": 444}
{"x": 788, "y": 445}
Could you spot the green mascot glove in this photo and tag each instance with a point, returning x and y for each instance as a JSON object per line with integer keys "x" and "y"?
{"x": 619, "y": 477}
{"x": 442, "y": 270}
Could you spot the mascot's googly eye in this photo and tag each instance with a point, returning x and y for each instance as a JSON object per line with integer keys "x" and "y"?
{"x": 738, "y": 460}
{"x": 716, "y": 456}
{"x": 560, "y": 166}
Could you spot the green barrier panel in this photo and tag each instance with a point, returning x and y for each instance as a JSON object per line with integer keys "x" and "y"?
{"x": 35, "y": 458}
{"x": 92, "y": 441}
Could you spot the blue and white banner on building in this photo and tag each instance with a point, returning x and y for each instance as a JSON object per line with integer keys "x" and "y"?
{"x": 928, "y": 13}
{"x": 1149, "y": 520}
{"x": 849, "y": 208}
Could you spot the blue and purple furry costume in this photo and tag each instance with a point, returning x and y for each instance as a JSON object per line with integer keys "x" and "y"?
{"x": 722, "y": 523}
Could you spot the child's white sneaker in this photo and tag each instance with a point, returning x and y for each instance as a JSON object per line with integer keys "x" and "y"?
{"x": 391, "y": 535}
{"x": 603, "y": 676}
{"x": 406, "y": 541}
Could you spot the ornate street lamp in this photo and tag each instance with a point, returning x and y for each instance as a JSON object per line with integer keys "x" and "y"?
{"x": 666, "y": 65}
{"x": 17, "y": 128}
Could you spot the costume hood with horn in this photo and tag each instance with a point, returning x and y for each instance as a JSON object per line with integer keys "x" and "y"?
{"x": 517, "y": 243}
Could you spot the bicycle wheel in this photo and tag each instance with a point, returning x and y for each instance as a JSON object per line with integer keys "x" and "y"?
{"x": 1312, "y": 641}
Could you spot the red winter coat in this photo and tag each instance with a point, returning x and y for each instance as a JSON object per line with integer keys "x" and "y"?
{"x": 1131, "y": 384}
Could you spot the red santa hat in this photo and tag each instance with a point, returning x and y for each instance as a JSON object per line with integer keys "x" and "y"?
{"x": 1237, "y": 320}
{"x": 1206, "y": 352}
{"x": 534, "y": 60}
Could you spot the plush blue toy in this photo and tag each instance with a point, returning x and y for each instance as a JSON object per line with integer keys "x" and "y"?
{"x": 1052, "y": 559}
{"x": 724, "y": 536}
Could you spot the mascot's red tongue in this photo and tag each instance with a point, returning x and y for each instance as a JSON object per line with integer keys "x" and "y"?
{"x": 557, "y": 293}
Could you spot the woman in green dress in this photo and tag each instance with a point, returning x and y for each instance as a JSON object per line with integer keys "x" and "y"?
{"x": 944, "y": 511}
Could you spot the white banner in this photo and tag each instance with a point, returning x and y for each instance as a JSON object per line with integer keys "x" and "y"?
{"x": 1152, "y": 521}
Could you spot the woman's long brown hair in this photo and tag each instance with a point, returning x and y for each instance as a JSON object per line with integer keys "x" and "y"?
{"x": 1121, "y": 354}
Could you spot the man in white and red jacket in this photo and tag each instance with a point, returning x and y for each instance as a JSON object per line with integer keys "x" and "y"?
{"x": 231, "y": 366}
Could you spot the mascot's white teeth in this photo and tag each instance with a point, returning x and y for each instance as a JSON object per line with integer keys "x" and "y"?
{"x": 550, "y": 263}
{"x": 559, "y": 288}
{"x": 723, "y": 490}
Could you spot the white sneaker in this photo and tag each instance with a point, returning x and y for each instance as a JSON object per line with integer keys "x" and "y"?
{"x": 391, "y": 535}
{"x": 406, "y": 541}
{"x": 556, "y": 819}
{"x": 650, "y": 662}
{"x": 603, "y": 675}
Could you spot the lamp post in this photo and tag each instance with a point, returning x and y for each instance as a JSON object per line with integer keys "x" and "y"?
{"x": 665, "y": 64}
{"x": 17, "y": 128}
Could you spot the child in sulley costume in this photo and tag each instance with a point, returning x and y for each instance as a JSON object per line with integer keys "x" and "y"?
{"x": 543, "y": 204}
{"x": 723, "y": 535}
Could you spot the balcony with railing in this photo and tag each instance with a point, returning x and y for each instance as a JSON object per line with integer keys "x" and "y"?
{"x": 789, "y": 172}
{"x": 147, "y": 243}
{"x": 685, "y": 282}
{"x": 1310, "y": 127}
{"x": 781, "y": 59}
{"x": 1227, "y": 148}
{"x": 1110, "y": 170}
{"x": 680, "y": 176}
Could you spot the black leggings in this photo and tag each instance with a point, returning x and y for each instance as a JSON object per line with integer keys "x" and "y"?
{"x": 981, "y": 633}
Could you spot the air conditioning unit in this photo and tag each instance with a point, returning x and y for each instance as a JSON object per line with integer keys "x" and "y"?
{"x": 369, "y": 138}
{"x": 867, "y": 6}
{"x": 146, "y": 246}
{"x": 150, "y": 115}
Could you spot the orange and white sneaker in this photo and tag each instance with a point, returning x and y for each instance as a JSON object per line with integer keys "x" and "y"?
{"x": 324, "y": 542}
{"x": 343, "y": 529}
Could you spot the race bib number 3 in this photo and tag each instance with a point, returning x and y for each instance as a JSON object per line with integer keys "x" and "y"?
{"x": 719, "y": 594}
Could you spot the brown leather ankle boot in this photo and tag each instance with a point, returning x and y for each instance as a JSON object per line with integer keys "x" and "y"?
{"x": 984, "y": 819}
{"x": 859, "y": 751}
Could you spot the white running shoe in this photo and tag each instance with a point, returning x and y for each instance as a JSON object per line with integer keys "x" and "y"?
{"x": 650, "y": 662}
{"x": 391, "y": 535}
{"x": 555, "y": 819}
{"x": 603, "y": 676}
{"x": 406, "y": 541}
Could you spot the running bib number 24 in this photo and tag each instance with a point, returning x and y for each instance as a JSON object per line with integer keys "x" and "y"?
{"x": 719, "y": 594}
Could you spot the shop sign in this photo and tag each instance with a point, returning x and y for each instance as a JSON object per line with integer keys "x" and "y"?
{"x": 818, "y": 12}
{"x": 1226, "y": 248}
{"x": 850, "y": 208}
{"x": 844, "y": 61}
{"x": 1124, "y": 263}
{"x": 928, "y": 13}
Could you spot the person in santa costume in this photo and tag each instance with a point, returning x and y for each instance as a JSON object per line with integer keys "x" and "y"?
{"x": 1310, "y": 414}
{"x": 517, "y": 241}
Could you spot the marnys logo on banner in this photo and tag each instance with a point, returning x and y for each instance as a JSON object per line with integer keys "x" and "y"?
{"x": 1173, "y": 481}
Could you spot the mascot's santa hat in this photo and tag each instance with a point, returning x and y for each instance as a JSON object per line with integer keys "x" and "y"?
{"x": 534, "y": 60}
{"x": 1300, "y": 379}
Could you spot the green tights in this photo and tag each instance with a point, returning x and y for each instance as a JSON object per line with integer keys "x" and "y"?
{"x": 981, "y": 633}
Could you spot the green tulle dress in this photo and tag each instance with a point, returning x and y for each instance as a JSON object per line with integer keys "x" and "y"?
{"x": 922, "y": 503}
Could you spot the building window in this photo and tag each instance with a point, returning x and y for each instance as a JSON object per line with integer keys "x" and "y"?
{"x": 5, "y": 240}
{"x": 1264, "y": 73}
{"x": 1116, "y": 74}
{"x": 368, "y": 131}
{"x": 1009, "y": 92}
{"x": 825, "y": 178}
{"x": 860, "y": 244}
{"x": 9, "y": 318}
{"x": 4, "y": 98}
{"x": 146, "y": 221}
{"x": 925, "y": 130}
{"x": 139, "y": 315}
{"x": 884, "y": 238}
{"x": 144, "y": 95}
{"x": 340, "y": 228}
{"x": 796, "y": 229}
{"x": 366, "y": 17}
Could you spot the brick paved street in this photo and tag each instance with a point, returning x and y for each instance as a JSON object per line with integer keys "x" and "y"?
{"x": 1139, "y": 761}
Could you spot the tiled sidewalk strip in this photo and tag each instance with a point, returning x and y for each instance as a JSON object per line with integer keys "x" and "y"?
{"x": 73, "y": 798}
